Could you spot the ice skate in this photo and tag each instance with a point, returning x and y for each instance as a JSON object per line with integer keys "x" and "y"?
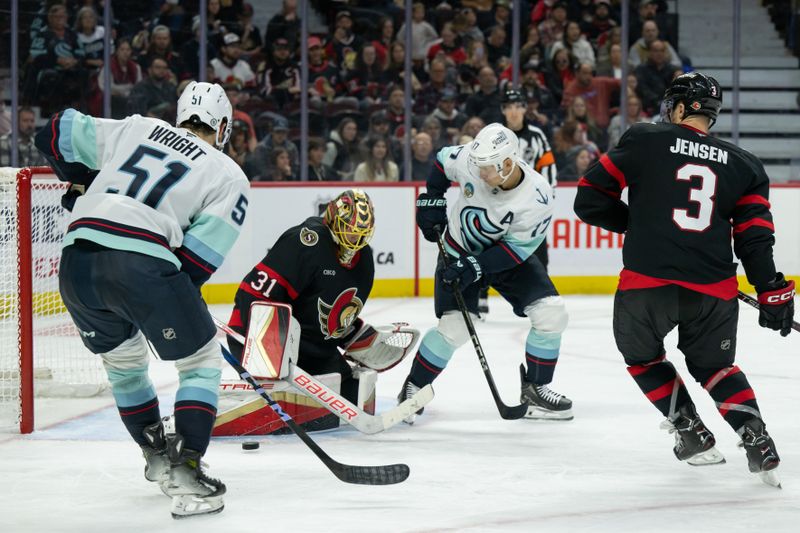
{"x": 543, "y": 403}
{"x": 155, "y": 454}
{"x": 694, "y": 443}
{"x": 192, "y": 491}
{"x": 409, "y": 390}
{"x": 762, "y": 457}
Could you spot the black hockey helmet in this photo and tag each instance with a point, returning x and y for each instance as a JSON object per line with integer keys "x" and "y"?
{"x": 513, "y": 96}
{"x": 701, "y": 94}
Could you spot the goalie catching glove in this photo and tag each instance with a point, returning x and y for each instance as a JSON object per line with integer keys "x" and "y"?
{"x": 383, "y": 347}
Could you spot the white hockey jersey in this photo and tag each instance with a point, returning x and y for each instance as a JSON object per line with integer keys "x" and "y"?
{"x": 482, "y": 216}
{"x": 161, "y": 190}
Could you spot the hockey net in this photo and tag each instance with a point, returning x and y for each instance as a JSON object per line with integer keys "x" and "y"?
{"x": 41, "y": 352}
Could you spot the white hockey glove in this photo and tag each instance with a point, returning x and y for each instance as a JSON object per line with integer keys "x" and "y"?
{"x": 383, "y": 347}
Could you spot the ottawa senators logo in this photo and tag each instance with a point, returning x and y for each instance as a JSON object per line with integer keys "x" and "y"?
{"x": 336, "y": 319}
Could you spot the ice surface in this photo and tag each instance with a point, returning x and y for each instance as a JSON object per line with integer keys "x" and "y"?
{"x": 610, "y": 469}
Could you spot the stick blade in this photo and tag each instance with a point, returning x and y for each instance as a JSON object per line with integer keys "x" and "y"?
{"x": 513, "y": 413}
{"x": 373, "y": 475}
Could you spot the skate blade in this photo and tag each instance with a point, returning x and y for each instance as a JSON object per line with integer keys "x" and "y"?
{"x": 190, "y": 505}
{"x": 537, "y": 413}
{"x": 770, "y": 477}
{"x": 707, "y": 458}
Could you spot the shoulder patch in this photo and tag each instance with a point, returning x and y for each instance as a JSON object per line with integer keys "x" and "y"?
{"x": 308, "y": 237}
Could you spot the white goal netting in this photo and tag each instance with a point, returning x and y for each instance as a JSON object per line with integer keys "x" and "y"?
{"x": 61, "y": 364}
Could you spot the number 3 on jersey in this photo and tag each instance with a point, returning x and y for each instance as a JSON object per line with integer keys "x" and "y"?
{"x": 703, "y": 196}
{"x": 258, "y": 284}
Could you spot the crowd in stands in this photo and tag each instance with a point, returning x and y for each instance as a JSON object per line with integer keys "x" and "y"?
{"x": 570, "y": 73}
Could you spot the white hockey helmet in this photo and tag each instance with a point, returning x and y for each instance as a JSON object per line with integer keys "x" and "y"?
{"x": 209, "y": 103}
{"x": 492, "y": 146}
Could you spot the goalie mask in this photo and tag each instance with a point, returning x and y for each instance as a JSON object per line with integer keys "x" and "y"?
{"x": 351, "y": 219}
{"x": 208, "y": 104}
{"x": 492, "y": 146}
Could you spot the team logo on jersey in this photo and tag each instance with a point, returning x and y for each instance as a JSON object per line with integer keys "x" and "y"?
{"x": 336, "y": 318}
{"x": 308, "y": 237}
{"x": 469, "y": 190}
{"x": 477, "y": 231}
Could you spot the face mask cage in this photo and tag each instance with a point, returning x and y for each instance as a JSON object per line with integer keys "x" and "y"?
{"x": 351, "y": 221}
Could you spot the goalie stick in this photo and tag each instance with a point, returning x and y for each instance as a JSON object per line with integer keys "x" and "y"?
{"x": 752, "y": 302}
{"x": 338, "y": 405}
{"x": 360, "y": 475}
{"x": 507, "y": 412}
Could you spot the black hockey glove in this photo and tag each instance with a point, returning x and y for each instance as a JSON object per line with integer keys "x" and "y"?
{"x": 465, "y": 271}
{"x": 776, "y": 305}
{"x": 431, "y": 215}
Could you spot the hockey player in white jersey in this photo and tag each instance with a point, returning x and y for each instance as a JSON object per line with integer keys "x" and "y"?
{"x": 151, "y": 227}
{"x": 501, "y": 216}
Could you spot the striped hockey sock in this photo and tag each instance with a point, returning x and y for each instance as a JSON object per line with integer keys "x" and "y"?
{"x": 541, "y": 356}
{"x": 432, "y": 357}
{"x": 662, "y": 385}
{"x": 733, "y": 395}
{"x": 136, "y": 400}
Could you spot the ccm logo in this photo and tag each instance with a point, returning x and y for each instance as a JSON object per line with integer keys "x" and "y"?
{"x": 330, "y": 400}
{"x": 778, "y": 298}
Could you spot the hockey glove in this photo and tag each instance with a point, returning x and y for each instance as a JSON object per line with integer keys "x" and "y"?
{"x": 431, "y": 215}
{"x": 776, "y": 305}
{"x": 465, "y": 271}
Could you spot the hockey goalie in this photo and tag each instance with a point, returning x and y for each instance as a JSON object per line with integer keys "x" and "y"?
{"x": 297, "y": 312}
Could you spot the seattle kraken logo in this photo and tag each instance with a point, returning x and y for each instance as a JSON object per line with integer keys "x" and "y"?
{"x": 477, "y": 231}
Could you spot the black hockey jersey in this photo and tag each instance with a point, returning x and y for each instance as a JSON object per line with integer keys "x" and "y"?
{"x": 302, "y": 270}
{"x": 687, "y": 194}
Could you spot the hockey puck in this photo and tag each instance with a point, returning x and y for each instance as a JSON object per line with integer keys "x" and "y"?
{"x": 250, "y": 445}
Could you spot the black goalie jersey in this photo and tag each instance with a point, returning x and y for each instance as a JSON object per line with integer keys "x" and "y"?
{"x": 302, "y": 270}
{"x": 688, "y": 194}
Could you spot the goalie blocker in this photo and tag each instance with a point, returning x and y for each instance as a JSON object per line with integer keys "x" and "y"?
{"x": 269, "y": 355}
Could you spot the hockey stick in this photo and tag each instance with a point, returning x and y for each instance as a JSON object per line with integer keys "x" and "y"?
{"x": 506, "y": 412}
{"x": 360, "y": 475}
{"x": 752, "y": 302}
{"x": 338, "y": 405}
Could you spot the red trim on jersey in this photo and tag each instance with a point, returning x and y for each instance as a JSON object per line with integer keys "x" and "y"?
{"x": 235, "y": 321}
{"x": 212, "y": 412}
{"x": 662, "y": 392}
{"x": 583, "y": 182}
{"x": 738, "y": 228}
{"x": 141, "y": 410}
{"x": 436, "y": 162}
{"x": 752, "y": 199}
{"x": 187, "y": 256}
{"x": 726, "y": 289}
{"x": 244, "y": 286}
{"x": 53, "y": 136}
{"x": 509, "y": 252}
{"x": 612, "y": 169}
{"x": 280, "y": 279}
{"x": 701, "y": 132}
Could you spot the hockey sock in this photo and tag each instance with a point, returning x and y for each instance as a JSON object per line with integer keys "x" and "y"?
{"x": 541, "y": 356}
{"x": 433, "y": 355}
{"x": 196, "y": 406}
{"x": 733, "y": 395}
{"x": 662, "y": 385}
{"x": 136, "y": 400}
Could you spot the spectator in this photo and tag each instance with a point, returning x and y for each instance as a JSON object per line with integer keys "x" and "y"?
{"x": 601, "y": 21}
{"x": 317, "y": 171}
{"x": 465, "y": 24}
{"x": 395, "y": 68}
{"x": 496, "y": 46}
{"x": 190, "y": 53}
{"x": 344, "y": 45}
{"x": 532, "y": 50}
{"x": 579, "y": 112}
{"x": 568, "y": 140}
{"x": 604, "y": 44}
{"x": 396, "y": 111}
{"x": 448, "y": 49}
{"x": 378, "y": 164}
{"x": 552, "y": 28}
{"x": 536, "y": 116}
{"x": 577, "y": 45}
{"x": 433, "y": 128}
{"x": 342, "y": 150}
{"x": 639, "y": 52}
{"x": 450, "y": 118}
{"x": 430, "y": 93}
{"x": 384, "y": 40}
{"x": 559, "y": 73}
{"x": 90, "y": 38}
{"x": 379, "y": 127}
{"x": 486, "y": 102}
{"x": 612, "y": 68}
{"x": 532, "y": 85}
{"x": 281, "y": 79}
{"x": 469, "y": 69}
{"x": 365, "y": 81}
{"x": 422, "y": 33}
{"x": 215, "y": 29}
{"x": 654, "y": 76}
{"x": 471, "y": 128}
{"x": 154, "y": 91}
{"x": 285, "y": 24}
{"x": 5, "y": 115}
{"x": 421, "y": 157}
{"x": 598, "y": 93}
{"x": 234, "y": 93}
{"x": 648, "y": 10}
{"x": 323, "y": 76}
{"x": 581, "y": 11}
{"x": 633, "y": 115}
{"x": 27, "y": 154}
{"x": 502, "y": 18}
{"x": 279, "y": 138}
{"x": 280, "y": 166}
{"x": 577, "y": 166}
{"x": 252, "y": 43}
{"x": 125, "y": 73}
{"x": 229, "y": 67}
{"x": 240, "y": 147}
{"x": 161, "y": 46}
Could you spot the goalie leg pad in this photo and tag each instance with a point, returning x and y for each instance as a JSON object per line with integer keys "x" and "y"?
{"x": 273, "y": 339}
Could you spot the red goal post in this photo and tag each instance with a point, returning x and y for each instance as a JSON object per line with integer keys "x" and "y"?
{"x": 41, "y": 354}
